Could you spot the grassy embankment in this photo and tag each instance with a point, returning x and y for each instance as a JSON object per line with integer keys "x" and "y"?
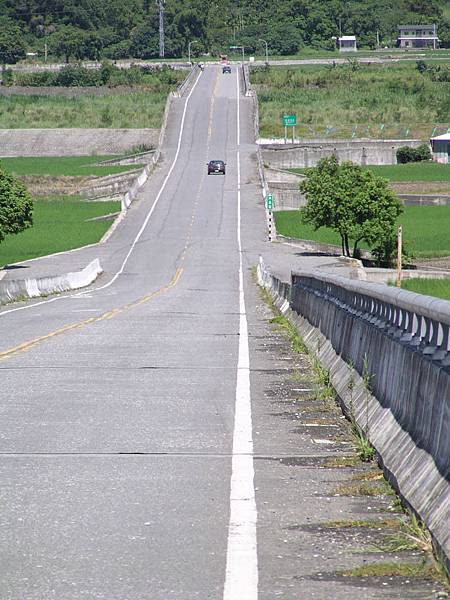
{"x": 131, "y": 98}
{"x": 134, "y": 109}
{"x": 440, "y": 288}
{"x": 398, "y": 53}
{"x": 376, "y": 101}
{"x": 64, "y": 222}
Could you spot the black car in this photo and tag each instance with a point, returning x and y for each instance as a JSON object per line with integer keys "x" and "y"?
{"x": 226, "y": 69}
{"x": 216, "y": 166}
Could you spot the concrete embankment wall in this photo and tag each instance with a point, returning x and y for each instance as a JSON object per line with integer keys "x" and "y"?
{"x": 74, "y": 142}
{"x": 287, "y": 196}
{"x": 307, "y": 153}
{"x": 388, "y": 354}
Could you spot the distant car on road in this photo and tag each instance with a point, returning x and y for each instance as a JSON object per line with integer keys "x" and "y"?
{"x": 226, "y": 69}
{"x": 216, "y": 166}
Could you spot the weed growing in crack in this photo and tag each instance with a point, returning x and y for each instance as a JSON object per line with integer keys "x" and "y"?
{"x": 340, "y": 462}
{"x": 367, "y": 379}
{"x": 350, "y": 389}
{"x": 420, "y": 570}
{"x": 365, "y": 488}
{"x": 296, "y": 341}
{"x": 364, "y": 448}
{"x": 369, "y": 524}
{"x": 412, "y": 535}
{"x": 325, "y": 390}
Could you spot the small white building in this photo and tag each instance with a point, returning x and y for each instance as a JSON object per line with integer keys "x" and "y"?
{"x": 440, "y": 148}
{"x": 347, "y": 43}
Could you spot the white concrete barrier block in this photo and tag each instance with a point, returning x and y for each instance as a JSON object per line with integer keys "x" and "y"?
{"x": 32, "y": 288}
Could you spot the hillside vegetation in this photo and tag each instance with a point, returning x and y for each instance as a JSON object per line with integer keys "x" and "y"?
{"x": 95, "y": 29}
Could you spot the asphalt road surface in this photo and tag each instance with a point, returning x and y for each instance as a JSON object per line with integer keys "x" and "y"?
{"x": 150, "y": 441}
{"x": 126, "y": 439}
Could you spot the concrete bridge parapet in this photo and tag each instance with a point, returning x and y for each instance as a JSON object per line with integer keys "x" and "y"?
{"x": 394, "y": 348}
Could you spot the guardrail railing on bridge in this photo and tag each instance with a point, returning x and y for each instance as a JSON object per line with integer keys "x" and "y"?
{"x": 393, "y": 345}
{"x": 402, "y": 338}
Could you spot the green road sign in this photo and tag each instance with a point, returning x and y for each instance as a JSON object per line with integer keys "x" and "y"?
{"x": 289, "y": 120}
{"x": 269, "y": 201}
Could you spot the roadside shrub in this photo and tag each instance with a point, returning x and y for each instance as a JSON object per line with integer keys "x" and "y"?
{"x": 439, "y": 73}
{"x": 8, "y": 77}
{"x": 46, "y": 78}
{"x": 76, "y": 75}
{"x": 407, "y": 154}
{"x": 16, "y": 205}
{"x": 68, "y": 76}
{"x": 158, "y": 79}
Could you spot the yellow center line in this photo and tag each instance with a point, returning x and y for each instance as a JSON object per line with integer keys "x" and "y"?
{"x": 200, "y": 187}
{"x": 25, "y": 346}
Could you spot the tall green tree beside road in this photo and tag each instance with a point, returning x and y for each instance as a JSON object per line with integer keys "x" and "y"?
{"x": 353, "y": 202}
{"x": 16, "y": 205}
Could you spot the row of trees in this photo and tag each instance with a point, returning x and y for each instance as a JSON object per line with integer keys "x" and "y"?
{"x": 94, "y": 29}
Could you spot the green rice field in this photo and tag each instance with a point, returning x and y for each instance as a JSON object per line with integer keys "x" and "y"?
{"x": 421, "y": 171}
{"x": 60, "y": 223}
{"x": 63, "y": 166}
{"x": 426, "y": 229}
{"x": 440, "y": 288}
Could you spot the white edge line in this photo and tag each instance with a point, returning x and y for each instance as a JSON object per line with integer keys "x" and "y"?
{"x": 241, "y": 577}
{"x": 139, "y": 234}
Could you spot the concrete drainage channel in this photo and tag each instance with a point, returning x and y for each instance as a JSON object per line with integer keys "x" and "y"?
{"x": 409, "y": 426}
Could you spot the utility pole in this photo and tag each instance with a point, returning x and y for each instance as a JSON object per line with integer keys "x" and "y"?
{"x": 161, "y": 5}
{"x": 399, "y": 256}
{"x": 267, "y": 51}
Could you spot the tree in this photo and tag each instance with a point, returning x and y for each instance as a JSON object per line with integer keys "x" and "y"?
{"x": 352, "y": 201}
{"x": 12, "y": 44}
{"x": 69, "y": 41}
{"x": 145, "y": 39}
{"x": 16, "y": 205}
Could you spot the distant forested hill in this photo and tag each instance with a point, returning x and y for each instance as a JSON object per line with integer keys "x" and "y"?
{"x": 94, "y": 29}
